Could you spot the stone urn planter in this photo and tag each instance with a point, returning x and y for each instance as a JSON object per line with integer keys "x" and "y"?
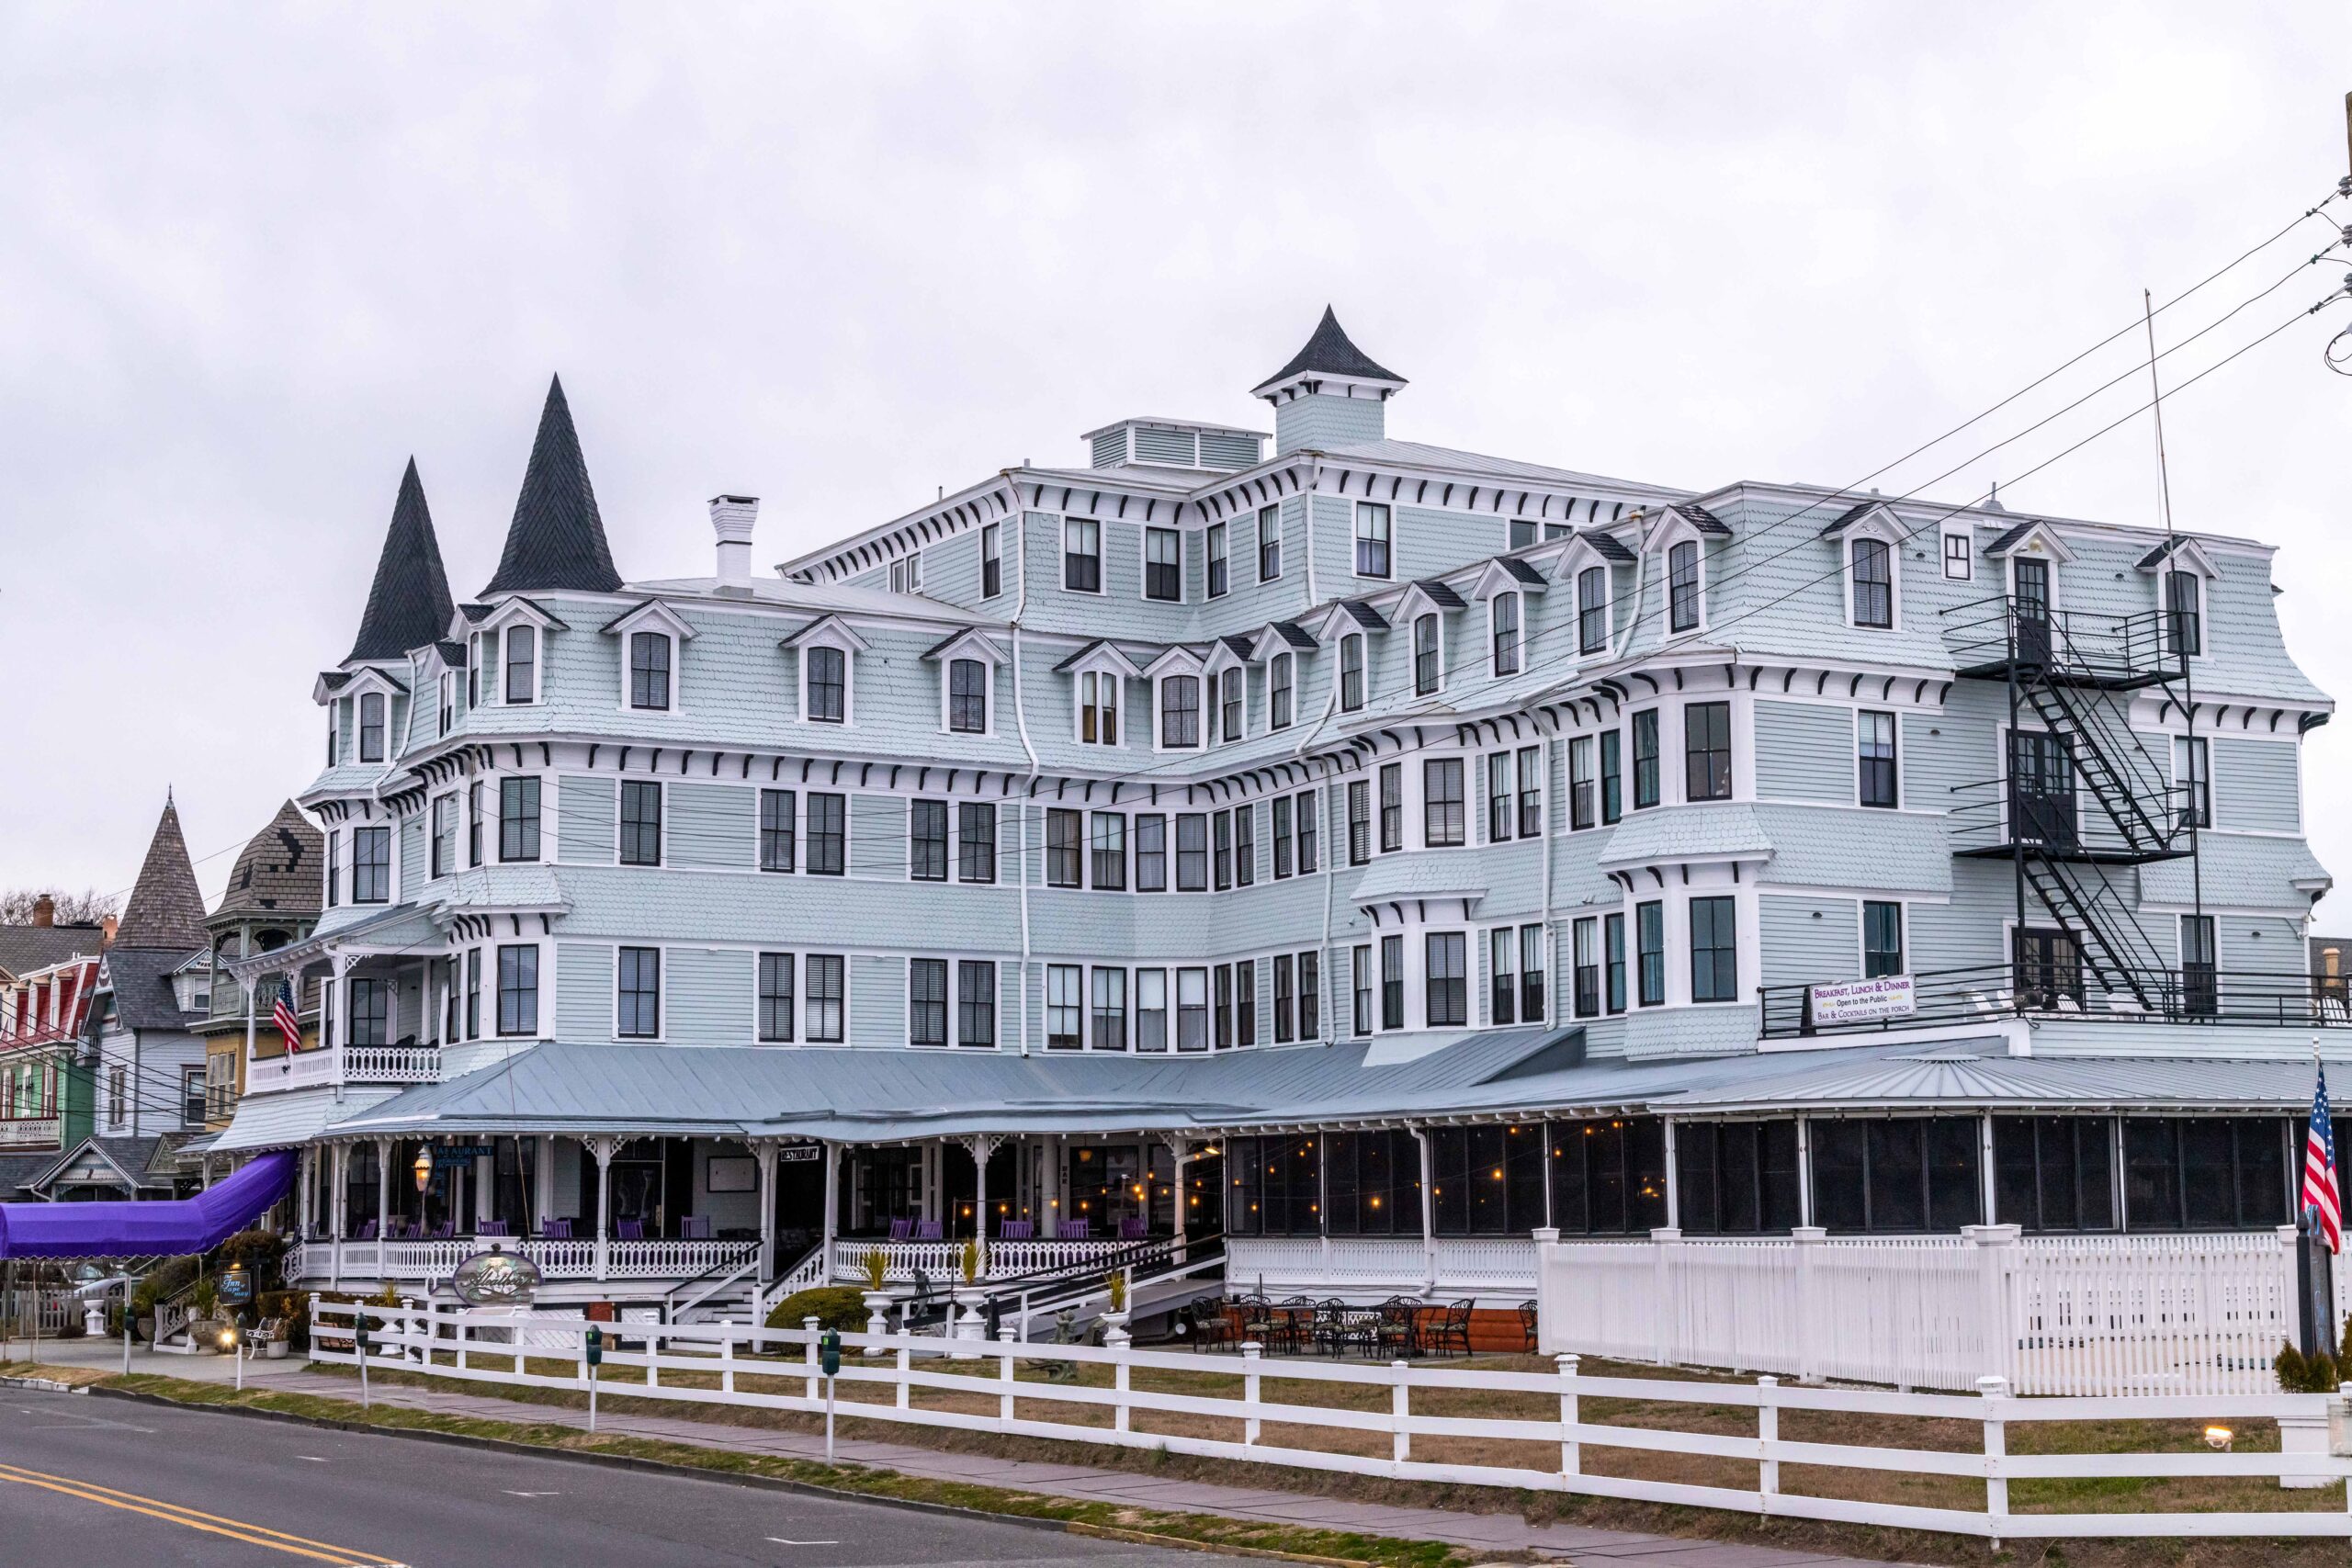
{"x": 274, "y": 1349}
{"x": 1114, "y": 1329}
{"x": 877, "y": 1316}
{"x": 970, "y": 1323}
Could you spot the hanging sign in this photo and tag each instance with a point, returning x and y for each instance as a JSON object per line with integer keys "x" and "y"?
{"x": 445, "y": 1154}
{"x": 799, "y": 1153}
{"x": 496, "y": 1278}
{"x": 1861, "y": 1001}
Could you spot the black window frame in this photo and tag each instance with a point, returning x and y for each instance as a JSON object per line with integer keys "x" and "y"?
{"x": 967, "y": 697}
{"x": 640, "y": 822}
{"x": 1445, "y": 983}
{"x": 927, "y": 1002}
{"x": 926, "y": 841}
{"x": 649, "y": 677}
{"x": 1649, "y": 952}
{"x": 827, "y": 682}
{"x": 777, "y": 999}
{"x": 1374, "y": 554}
{"x": 1706, "y": 751}
{"x": 1871, "y": 563}
{"x": 1682, "y": 586}
{"x": 1444, "y": 809}
{"x": 1647, "y": 770}
{"x": 779, "y": 810}
{"x": 1877, "y": 770}
{"x": 1163, "y": 581}
{"x": 636, "y": 993}
{"x": 1504, "y": 638}
{"x": 975, "y": 852}
{"x": 1065, "y": 847}
{"x": 1592, "y": 610}
{"x": 1081, "y": 569}
{"x": 1179, "y": 720}
{"x": 1270, "y": 544}
{"x": 518, "y": 818}
{"x": 1429, "y": 640}
{"x": 825, "y": 839}
{"x": 518, "y": 989}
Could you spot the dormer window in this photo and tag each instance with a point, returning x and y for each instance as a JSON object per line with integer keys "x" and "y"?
{"x": 1270, "y": 543}
{"x": 448, "y": 700}
{"x": 1502, "y": 624}
{"x": 371, "y": 726}
{"x": 1179, "y": 712}
{"x": 967, "y": 697}
{"x": 1958, "y": 557}
{"x": 1682, "y": 585}
{"x": 992, "y": 560}
{"x": 1427, "y": 675}
{"x": 1229, "y": 707}
{"x": 2184, "y": 614}
{"x": 1351, "y": 671}
{"x": 1081, "y": 555}
{"x": 1592, "y": 609}
{"x": 1098, "y": 707}
{"x": 1281, "y": 678}
{"x": 1163, "y": 567}
{"x": 1220, "y": 563}
{"x": 1872, "y": 581}
{"x": 826, "y": 685}
{"x": 1372, "y": 522}
{"x": 649, "y": 669}
{"x": 522, "y": 664}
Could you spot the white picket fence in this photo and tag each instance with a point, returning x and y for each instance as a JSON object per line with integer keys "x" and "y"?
{"x": 487, "y": 1347}
{"x": 2128, "y": 1314}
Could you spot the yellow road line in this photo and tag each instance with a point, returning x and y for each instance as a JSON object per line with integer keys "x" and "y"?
{"x": 173, "y": 1513}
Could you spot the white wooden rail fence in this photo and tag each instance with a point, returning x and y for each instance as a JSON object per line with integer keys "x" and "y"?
{"x": 2126, "y": 1314}
{"x": 492, "y": 1347}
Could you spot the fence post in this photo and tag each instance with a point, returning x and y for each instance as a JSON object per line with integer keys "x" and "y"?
{"x": 906, "y": 1366}
{"x": 1997, "y": 1254}
{"x": 725, "y": 1357}
{"x": 1667, "y": 1253}
{"x": 457, "y": 1324}
{"x": 580, "y": 1350}
{"x": 1996, "y": 1390}
{"x": 810, "y": 1324}
{"x": 1571, "y": 1450}
{"x": 310, "y": 1352}
{"x": 1808, "y": 1240}
{"x": 1767, "y": 1439}
{"x": 412, "y": 1331}
{"x": 1005, "y": 1336}
{"x": 1401, "y": 1449}
{"x": 1120, "y": 1384}
{"x": 1251, "y": 1350}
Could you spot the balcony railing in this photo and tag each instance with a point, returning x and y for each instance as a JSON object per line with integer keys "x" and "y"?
{"x": 344, "y": 1064}
{"x": 2000, "y": 635}
{"x": 2196, "y": 994}
{"x": 28, "y": 1131}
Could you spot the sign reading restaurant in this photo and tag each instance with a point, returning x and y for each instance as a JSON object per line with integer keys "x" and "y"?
{"x": 1861, "y": 1001}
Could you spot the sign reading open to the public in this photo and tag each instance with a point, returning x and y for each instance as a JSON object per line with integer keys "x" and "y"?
{"x": 496, "y": 1278}
{"x": 1862, "y": 1001}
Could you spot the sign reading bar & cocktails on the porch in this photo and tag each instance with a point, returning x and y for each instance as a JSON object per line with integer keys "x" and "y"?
{"x": 1861, "y": 1001}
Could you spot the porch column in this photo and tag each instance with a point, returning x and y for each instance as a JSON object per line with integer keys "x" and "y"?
{"x": 1673, "y": 1178}
{"x": 486, "y": 1186}
{"x": 602, "y": 1148}
{"x": 832, "y": 1208}
{"x": 383, "y": 1193}
{"x": 982, "y": 1145}
{"x": 205, "y": 1163}
{"x": 543, "y": 1180}
{"x": 338, "y": 1209}
{"x": 251, "y": 987}
{"x": 763, "y": 1151}
{"x": 306, "y": 1165}
{"x": 1182, "y": 1148}
{"x": 1428, "y": 1211}
{"x": 1050, "y": 1211}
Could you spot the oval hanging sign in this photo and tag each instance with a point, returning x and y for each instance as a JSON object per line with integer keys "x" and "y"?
{"x": 496, "y": 1278}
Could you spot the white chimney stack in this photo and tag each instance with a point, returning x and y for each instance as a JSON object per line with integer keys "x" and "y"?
{"x": 731, "y": 518}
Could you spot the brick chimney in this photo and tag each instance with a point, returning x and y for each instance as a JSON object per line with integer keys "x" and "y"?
{"x": 44, "y": 911}
{"x": 731, "y": 517}
{"x": 107, "y": 929}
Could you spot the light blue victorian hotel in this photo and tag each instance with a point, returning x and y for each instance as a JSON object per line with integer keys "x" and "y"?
{"x": 1340, "y": 852}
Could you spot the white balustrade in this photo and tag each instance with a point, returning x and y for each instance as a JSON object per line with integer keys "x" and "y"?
{"x": 343, "y": 1065}
{"x": 1371, "y": 1268}
{"x": 28, "y": 1131}
{"x": 944, "y": 1260}
{"x": 575, "y": 1259}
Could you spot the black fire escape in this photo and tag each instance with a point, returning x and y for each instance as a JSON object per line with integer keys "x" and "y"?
{"x": 2082, "y": 803}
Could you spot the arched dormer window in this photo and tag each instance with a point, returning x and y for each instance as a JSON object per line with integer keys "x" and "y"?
{"x": 1351, "y": 672}
{"x": 1099, "y": 673}
{"x": 1871, "y": 582}
{"x": 1592, "y": 610}
{"x": 1180, "y": 688}
{"x": 649, "y": 670}
{"x": 1282, "y": 690}
{"x": 1502, "y": 632}
{"x": 651, "y": 635}
{"x": 1428, "y": 659}
{"x": 826, "y": 650}
{"x": 968, "y": 661}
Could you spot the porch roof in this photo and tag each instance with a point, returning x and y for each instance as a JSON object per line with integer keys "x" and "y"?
{"x": 872, "y": 1096}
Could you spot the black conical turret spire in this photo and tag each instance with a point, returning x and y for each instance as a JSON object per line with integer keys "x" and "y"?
{"x": 408, "y": 605}
{"x": 1331, "y": 353}
{"x": 557, "y": 539}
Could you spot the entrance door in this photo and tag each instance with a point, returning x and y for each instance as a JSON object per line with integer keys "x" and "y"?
{"x": 2041, "y": 788}
{"x": 2032, "y": 600}
{"x": 636, "y": 1186}
{"x": 2050, "y": 966}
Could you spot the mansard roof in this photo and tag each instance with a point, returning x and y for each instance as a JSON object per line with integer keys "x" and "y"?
{"x": 557, "y": 539}
{"x": 1330, "y": 353}
{"x": 408, "y": 604}
{"x": 166, "y": 910}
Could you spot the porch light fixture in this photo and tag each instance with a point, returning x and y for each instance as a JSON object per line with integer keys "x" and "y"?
{"x": 2219, "y": 1439}
{"x": 423, "y": 1167}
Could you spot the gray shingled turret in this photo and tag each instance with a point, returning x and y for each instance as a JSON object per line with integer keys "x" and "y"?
{"x": 166, "y": 910}
{"x": 409, "y": 604}
{"x": 278, "y": 873}
{"x": 557, "y": 539}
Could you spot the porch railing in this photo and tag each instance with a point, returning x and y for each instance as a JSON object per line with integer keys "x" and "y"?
{"x": 942, "y": 1261}
{"x": 345, "y": 1063}
{"x": 426, "y": 1261}
{"x": 1990, "y": 992}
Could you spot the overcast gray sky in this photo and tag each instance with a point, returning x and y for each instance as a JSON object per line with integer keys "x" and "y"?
{"x": 253, "y": 259}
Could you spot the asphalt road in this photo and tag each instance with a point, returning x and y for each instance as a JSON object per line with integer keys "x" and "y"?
{"x": 86, "y": 1480}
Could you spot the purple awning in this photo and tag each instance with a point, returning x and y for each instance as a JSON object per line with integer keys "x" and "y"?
{"x": 132, "y": 1230}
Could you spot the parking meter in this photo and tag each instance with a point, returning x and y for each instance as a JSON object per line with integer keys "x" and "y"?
{"x": 595, "y": 1345}
{"x": 829, "y": 1352}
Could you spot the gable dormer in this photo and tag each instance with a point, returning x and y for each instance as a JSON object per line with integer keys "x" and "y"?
{"x": 654, "y": 637}
{"x": 1178, "y": 679}
{"x": 1589, "y": 565}
{"x": 826, "y": 650}
{"x": 1098, "y": 676}
{"x": 967, "y": 663}
{"x": 509, "y": 649}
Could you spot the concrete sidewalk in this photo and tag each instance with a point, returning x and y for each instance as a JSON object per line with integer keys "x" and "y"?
{"x": 1494, "y": 1532}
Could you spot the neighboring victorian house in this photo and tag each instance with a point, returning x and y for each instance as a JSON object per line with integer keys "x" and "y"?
{"x": 47, "y": 974}
{"x": 154, "y": 989}
{"x": 272, "y": 899}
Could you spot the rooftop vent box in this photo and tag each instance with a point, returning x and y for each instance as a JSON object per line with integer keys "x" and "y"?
{"x": 1174, "y": 444}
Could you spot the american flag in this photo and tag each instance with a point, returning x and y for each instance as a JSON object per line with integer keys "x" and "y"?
{"x": 281, "y": 1013}
{"x": 2319, "y": 1168}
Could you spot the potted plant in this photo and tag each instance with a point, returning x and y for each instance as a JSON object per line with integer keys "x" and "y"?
{"x": 874, "y": 1265}
{"x": 1115, "y": 1315}
{"x": 203, "y": 1328}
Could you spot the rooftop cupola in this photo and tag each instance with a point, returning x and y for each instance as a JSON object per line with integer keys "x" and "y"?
{"x": 557, "y": 539}
{"x": 408, "y": 604}
{"x": 1331, "y": 394}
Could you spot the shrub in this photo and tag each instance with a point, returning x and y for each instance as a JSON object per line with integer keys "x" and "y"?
{"x": 169, "y": 1279}
{"x": 834, "y": 1306}
{"x": 205, "y": 1298}
{"x": 258, "y": 1250}
{"x": 2299, "y": 1373}
{"x": 294, "y": 1307}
